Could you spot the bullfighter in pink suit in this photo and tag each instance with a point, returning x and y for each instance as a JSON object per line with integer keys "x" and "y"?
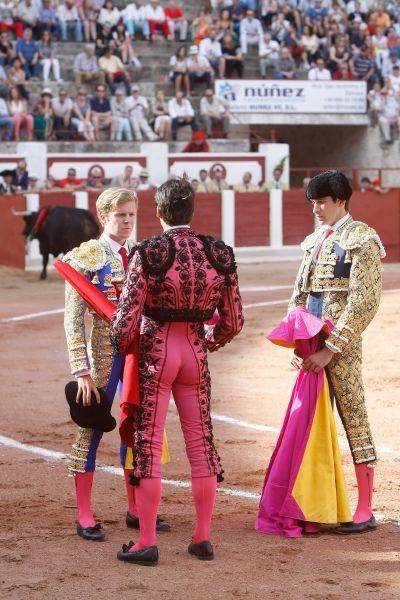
{"x": 175, "y": 283}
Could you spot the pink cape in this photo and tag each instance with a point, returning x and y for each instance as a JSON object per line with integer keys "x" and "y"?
{"x": 281, "y": 511}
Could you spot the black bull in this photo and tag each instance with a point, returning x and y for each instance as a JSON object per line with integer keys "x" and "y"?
{"x": 62, "y": 229}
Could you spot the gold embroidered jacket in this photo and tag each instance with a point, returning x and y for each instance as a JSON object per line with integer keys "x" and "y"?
{"x": 348, "y": 273}
{"x": 96, "y": 261}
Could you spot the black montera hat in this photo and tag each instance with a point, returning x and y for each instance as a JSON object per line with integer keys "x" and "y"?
{"x": 96, "y": 416}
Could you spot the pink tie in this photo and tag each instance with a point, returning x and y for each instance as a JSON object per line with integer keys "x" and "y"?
{"x": 122, "y": 251}
{"x": 328, "y": 232}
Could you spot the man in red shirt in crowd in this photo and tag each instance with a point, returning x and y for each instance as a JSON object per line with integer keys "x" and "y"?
{"x": 198, "y": 143}
{"x": 176, "y": 20}
{"x": 70, "y": 182}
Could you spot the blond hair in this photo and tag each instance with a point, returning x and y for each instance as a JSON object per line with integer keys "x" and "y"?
{"x": 113, "y": 197}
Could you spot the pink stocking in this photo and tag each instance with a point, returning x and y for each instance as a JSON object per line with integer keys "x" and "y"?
{"x": 148, "y": 498}
{"x": 83, "y": 488}
{"x": 204, "y": 490}
{"x": 365, "y": 482}
{"x": 130, "y": 492}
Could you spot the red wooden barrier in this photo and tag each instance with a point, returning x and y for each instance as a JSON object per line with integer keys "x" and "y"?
{"x": 12, "y": 247}
{"x": 147, "y": 222}
{"x": 56, "y": 199}
{"x": 252, "y": 219}
{"x": 298, "y": 219}
{"x": 207, "y": 215}
{"x": 381, "y": 211}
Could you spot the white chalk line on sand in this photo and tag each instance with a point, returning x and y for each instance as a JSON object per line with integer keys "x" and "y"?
{"x": 56, "y": 311}
{"x": 53, "y": 455}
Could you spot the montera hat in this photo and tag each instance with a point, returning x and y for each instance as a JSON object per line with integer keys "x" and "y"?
{"x": 96, "y": 416}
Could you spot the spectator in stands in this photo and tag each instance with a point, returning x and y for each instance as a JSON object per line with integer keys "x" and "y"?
{"x": 250, "y": 31}
{"x": 376, "y": 101}
{"x": 101, "y": 114}
{"x": 114, "y": 70}
{"x": 338, "y": 55}
{"x": 316, "y": 12}
{"x": 203, "y": 184}
{"x": 214, "y": 110}
{"x": 218, "y": 183}
{"x": 389, "y": 63}
{"x": 319, "y": 72}
{"x": 8, "y": 19}
{"x": 109, "y": 15}
{"x": 199, "y": 68}
{"x": 238, "y": 13}
{"x": 394, "y": 79}
{"x": 157, "y": 19}
{"x": 62, "y": 109}
{"x": 362, "y": 67}
{"x": 246, "y": 185}
{"x": 134, "y": 19}
{"x": 104, "y": 38}
{"x": 27, "y": 51}
{"x": 127, "y": 180}
{"x": 144, "y": 183}
{"x": 388, "y": 117}
{"x": 70, "y": 182}
{"x": 120, "y": 113}
{"x": 6, "y": 122}
{"x": 88, "y": 16}
{"x": 380, "y": 18}
{"x": 124, "y": 46}
{"x": 177, "y": 22}
{"x": 28, "y": 14}
{"x": 310, "y": 43}
{"x": 69, "y": 21}
{"x": 181, "y": 113}
{"x": 6, "y": 49}
{"x": 232, "y": 55}
{"x": 268, "y": 52}
{"x": 198, "y": 143}
{"x": 162, "y": 120}
{"x": 48, "y": 20}
{"x": 20, "y": 175}
{"x": 18, "y": 110}
{"x": 195, "y": 185}
{"x": 86, "y": 68}
{"x": 43, "y": 116}
{"x": 286, "y": 67}
{"x": 292, "y": 41}
{"x": 279, "y": 27}
{"x": 200, "y": 26}
{"x": 47, "y": 57}
{"x": 138, "y": 112}
{"x": 6, "y": 184}
{"x": 16, "y": 76}
{"x": 179, "y": 70}
{"x": 81, "y": 115}
{"x": 366, "y": 185}
{"x": 211, "y": 49}
{"x": 96, "y": 178}
{"x": 224, "y": 25}
{"x": 276, "y": 183}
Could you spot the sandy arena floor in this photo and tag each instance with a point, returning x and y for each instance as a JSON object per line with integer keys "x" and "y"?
{"x": 42, "y": 557}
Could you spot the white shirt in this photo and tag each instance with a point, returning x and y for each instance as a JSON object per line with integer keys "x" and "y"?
{"x": 137, "y": 106}
{"x": 115, "y": 247}
{"x": 156, "y": 14}
{"x": 270, "y": 50}
{"x": 316, "y": 74}
{"x": 133, "y": 13}
{"x": 251, "y": 28}
{"x": 180, "y": 110}
{"x": 324, "y": 229}
{"x": 210, "y": 49}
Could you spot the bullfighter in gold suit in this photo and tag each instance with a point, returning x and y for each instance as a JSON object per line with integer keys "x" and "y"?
{"x": 340, "y": 279}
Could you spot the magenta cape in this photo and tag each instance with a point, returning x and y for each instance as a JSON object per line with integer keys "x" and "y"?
{"x": 304, "y": 483}
{"x": 105, "y": 309}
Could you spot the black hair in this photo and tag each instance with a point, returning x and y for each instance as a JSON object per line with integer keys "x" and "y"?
{"x": 175, "y": 201}
{"x": 329, "y": 183}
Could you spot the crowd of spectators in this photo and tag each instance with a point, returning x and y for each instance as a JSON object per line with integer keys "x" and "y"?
{"x": 320, "y": 40}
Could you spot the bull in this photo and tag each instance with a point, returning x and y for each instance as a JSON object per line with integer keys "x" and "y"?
{"x": 58, "y": 229}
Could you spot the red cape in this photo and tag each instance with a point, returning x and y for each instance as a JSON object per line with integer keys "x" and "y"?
{"x": 105, "y": 309}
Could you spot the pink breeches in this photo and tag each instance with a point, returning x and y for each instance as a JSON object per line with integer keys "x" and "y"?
{"x": 174, "y": 360}
{"x": 19, "y": 121}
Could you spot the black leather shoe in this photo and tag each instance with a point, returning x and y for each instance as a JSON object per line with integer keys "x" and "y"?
{"x": 95, "y": 533}
{"x": 203, "y": 550}
{"x": 348, "y": 528}
{"x": 133, "y": 523}
{"x": 147, "y": 557}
